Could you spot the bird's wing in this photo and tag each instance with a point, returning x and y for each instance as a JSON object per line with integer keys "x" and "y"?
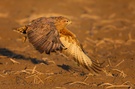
{"x": 74, "y": 50}
{"x": 44, "y": 36}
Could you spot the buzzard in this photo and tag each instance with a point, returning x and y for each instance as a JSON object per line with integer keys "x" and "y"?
{"x": 49, "y": 34}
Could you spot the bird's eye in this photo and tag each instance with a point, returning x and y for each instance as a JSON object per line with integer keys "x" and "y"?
{"x": 65, "y": 20}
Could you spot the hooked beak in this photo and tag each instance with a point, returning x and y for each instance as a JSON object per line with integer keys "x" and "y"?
{"x": 69, "y": 22}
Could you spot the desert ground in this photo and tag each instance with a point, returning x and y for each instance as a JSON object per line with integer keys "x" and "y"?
{"x": 105, "y": 28}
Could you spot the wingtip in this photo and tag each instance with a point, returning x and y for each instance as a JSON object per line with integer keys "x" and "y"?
{"x": 96, "y": 67}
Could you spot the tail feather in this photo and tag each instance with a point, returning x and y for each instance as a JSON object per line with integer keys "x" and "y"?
{"x": 21, "y": 30}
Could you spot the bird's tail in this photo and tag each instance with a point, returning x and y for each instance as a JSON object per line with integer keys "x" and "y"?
{"x": 21, "y": 30}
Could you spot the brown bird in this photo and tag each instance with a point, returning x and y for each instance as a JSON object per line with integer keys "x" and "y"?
{"x": 51, "y": 35}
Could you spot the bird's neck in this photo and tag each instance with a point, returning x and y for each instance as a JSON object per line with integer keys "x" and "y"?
{"x": 59, "y": 27}
{"x": 66, "y": 32}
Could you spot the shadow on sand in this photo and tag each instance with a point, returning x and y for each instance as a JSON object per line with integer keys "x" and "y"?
{"x": 10, "y": 54}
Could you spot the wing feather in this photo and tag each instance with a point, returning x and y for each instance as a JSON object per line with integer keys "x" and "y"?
{"x": 78, "y": 55}
{"x": 44, "y": 36}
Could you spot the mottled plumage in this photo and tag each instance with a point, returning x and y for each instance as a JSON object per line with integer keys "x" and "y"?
{"x": 50, "y": 35}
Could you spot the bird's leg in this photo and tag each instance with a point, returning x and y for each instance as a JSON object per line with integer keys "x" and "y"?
{"x": 22, "y": 30}
{"x": 61, "y": 54}
{"x": 24, "y": 38}
{"x": 46, "y": 61}
{"x": 64, "y": 48}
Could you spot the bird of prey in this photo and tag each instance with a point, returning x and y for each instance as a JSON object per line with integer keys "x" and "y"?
{"x": 50, "y": 34}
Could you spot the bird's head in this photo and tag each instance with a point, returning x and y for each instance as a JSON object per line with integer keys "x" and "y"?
{"x": 61, "y": 22}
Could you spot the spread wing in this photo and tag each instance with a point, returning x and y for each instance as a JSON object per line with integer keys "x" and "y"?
{"x": 44, "y": 36}
{"x": 74, "y": 50}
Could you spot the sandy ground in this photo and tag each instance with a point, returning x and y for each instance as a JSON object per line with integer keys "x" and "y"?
{"x": 106, "y": 29}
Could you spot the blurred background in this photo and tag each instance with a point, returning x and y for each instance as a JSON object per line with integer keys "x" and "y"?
{"x": 106, "y": 29}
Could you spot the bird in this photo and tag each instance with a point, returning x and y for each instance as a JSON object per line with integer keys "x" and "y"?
{"x": 50, "y": 34}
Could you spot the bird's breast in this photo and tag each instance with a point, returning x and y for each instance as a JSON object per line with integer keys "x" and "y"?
{"x": 65, "y": 41}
